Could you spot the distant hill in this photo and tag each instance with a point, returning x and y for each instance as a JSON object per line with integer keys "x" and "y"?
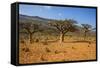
{"x": 25, "y": 18}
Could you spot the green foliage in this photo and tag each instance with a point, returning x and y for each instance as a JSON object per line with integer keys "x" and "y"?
{"x": 86, "y": 29}
{"x": 64, "y": 26}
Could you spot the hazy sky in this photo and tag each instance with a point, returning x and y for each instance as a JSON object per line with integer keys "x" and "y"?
{"x": 81, "y": 15}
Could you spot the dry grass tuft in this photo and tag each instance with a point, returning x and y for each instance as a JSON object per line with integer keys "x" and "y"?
{"x": 53, "y": 52}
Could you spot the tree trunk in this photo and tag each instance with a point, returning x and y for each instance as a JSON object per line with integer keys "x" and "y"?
{"x": 31, "y": 38}
{"x": 61, "y": 37}
{"x": 85, "y": 36}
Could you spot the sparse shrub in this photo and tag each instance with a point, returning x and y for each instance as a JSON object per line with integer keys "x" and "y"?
{"x": 94, "y": 40}
{"x": 43, "y": 58}
{"x": 63, "y": 60}
{"x": 45, "y": 43}
{"x": 26, "y": 50}
{"x": 73, "y": 48}
{"x": 90, "y": 39}
{"x": 65, "y": 51}
{"x": 88, "y": 46}
{"x": 48, "y": 50}
{"x": 37, "y": 40}
{"x": 56, "y": 52}
{"x": 22, "y": 41}
{"x": 85, "y": 55}
{"x": 89, "y": 42}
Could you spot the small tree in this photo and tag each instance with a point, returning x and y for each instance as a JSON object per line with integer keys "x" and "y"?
{"x": 30, "y": 28}
{"x": 63, "y": 26}
{"x": 86, "y": 28}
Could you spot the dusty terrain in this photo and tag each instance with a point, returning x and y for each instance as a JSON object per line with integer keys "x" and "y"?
{"x": 53, "y": 51}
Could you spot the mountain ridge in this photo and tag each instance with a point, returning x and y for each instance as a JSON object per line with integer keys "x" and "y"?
{"x": 32, "y": 18}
